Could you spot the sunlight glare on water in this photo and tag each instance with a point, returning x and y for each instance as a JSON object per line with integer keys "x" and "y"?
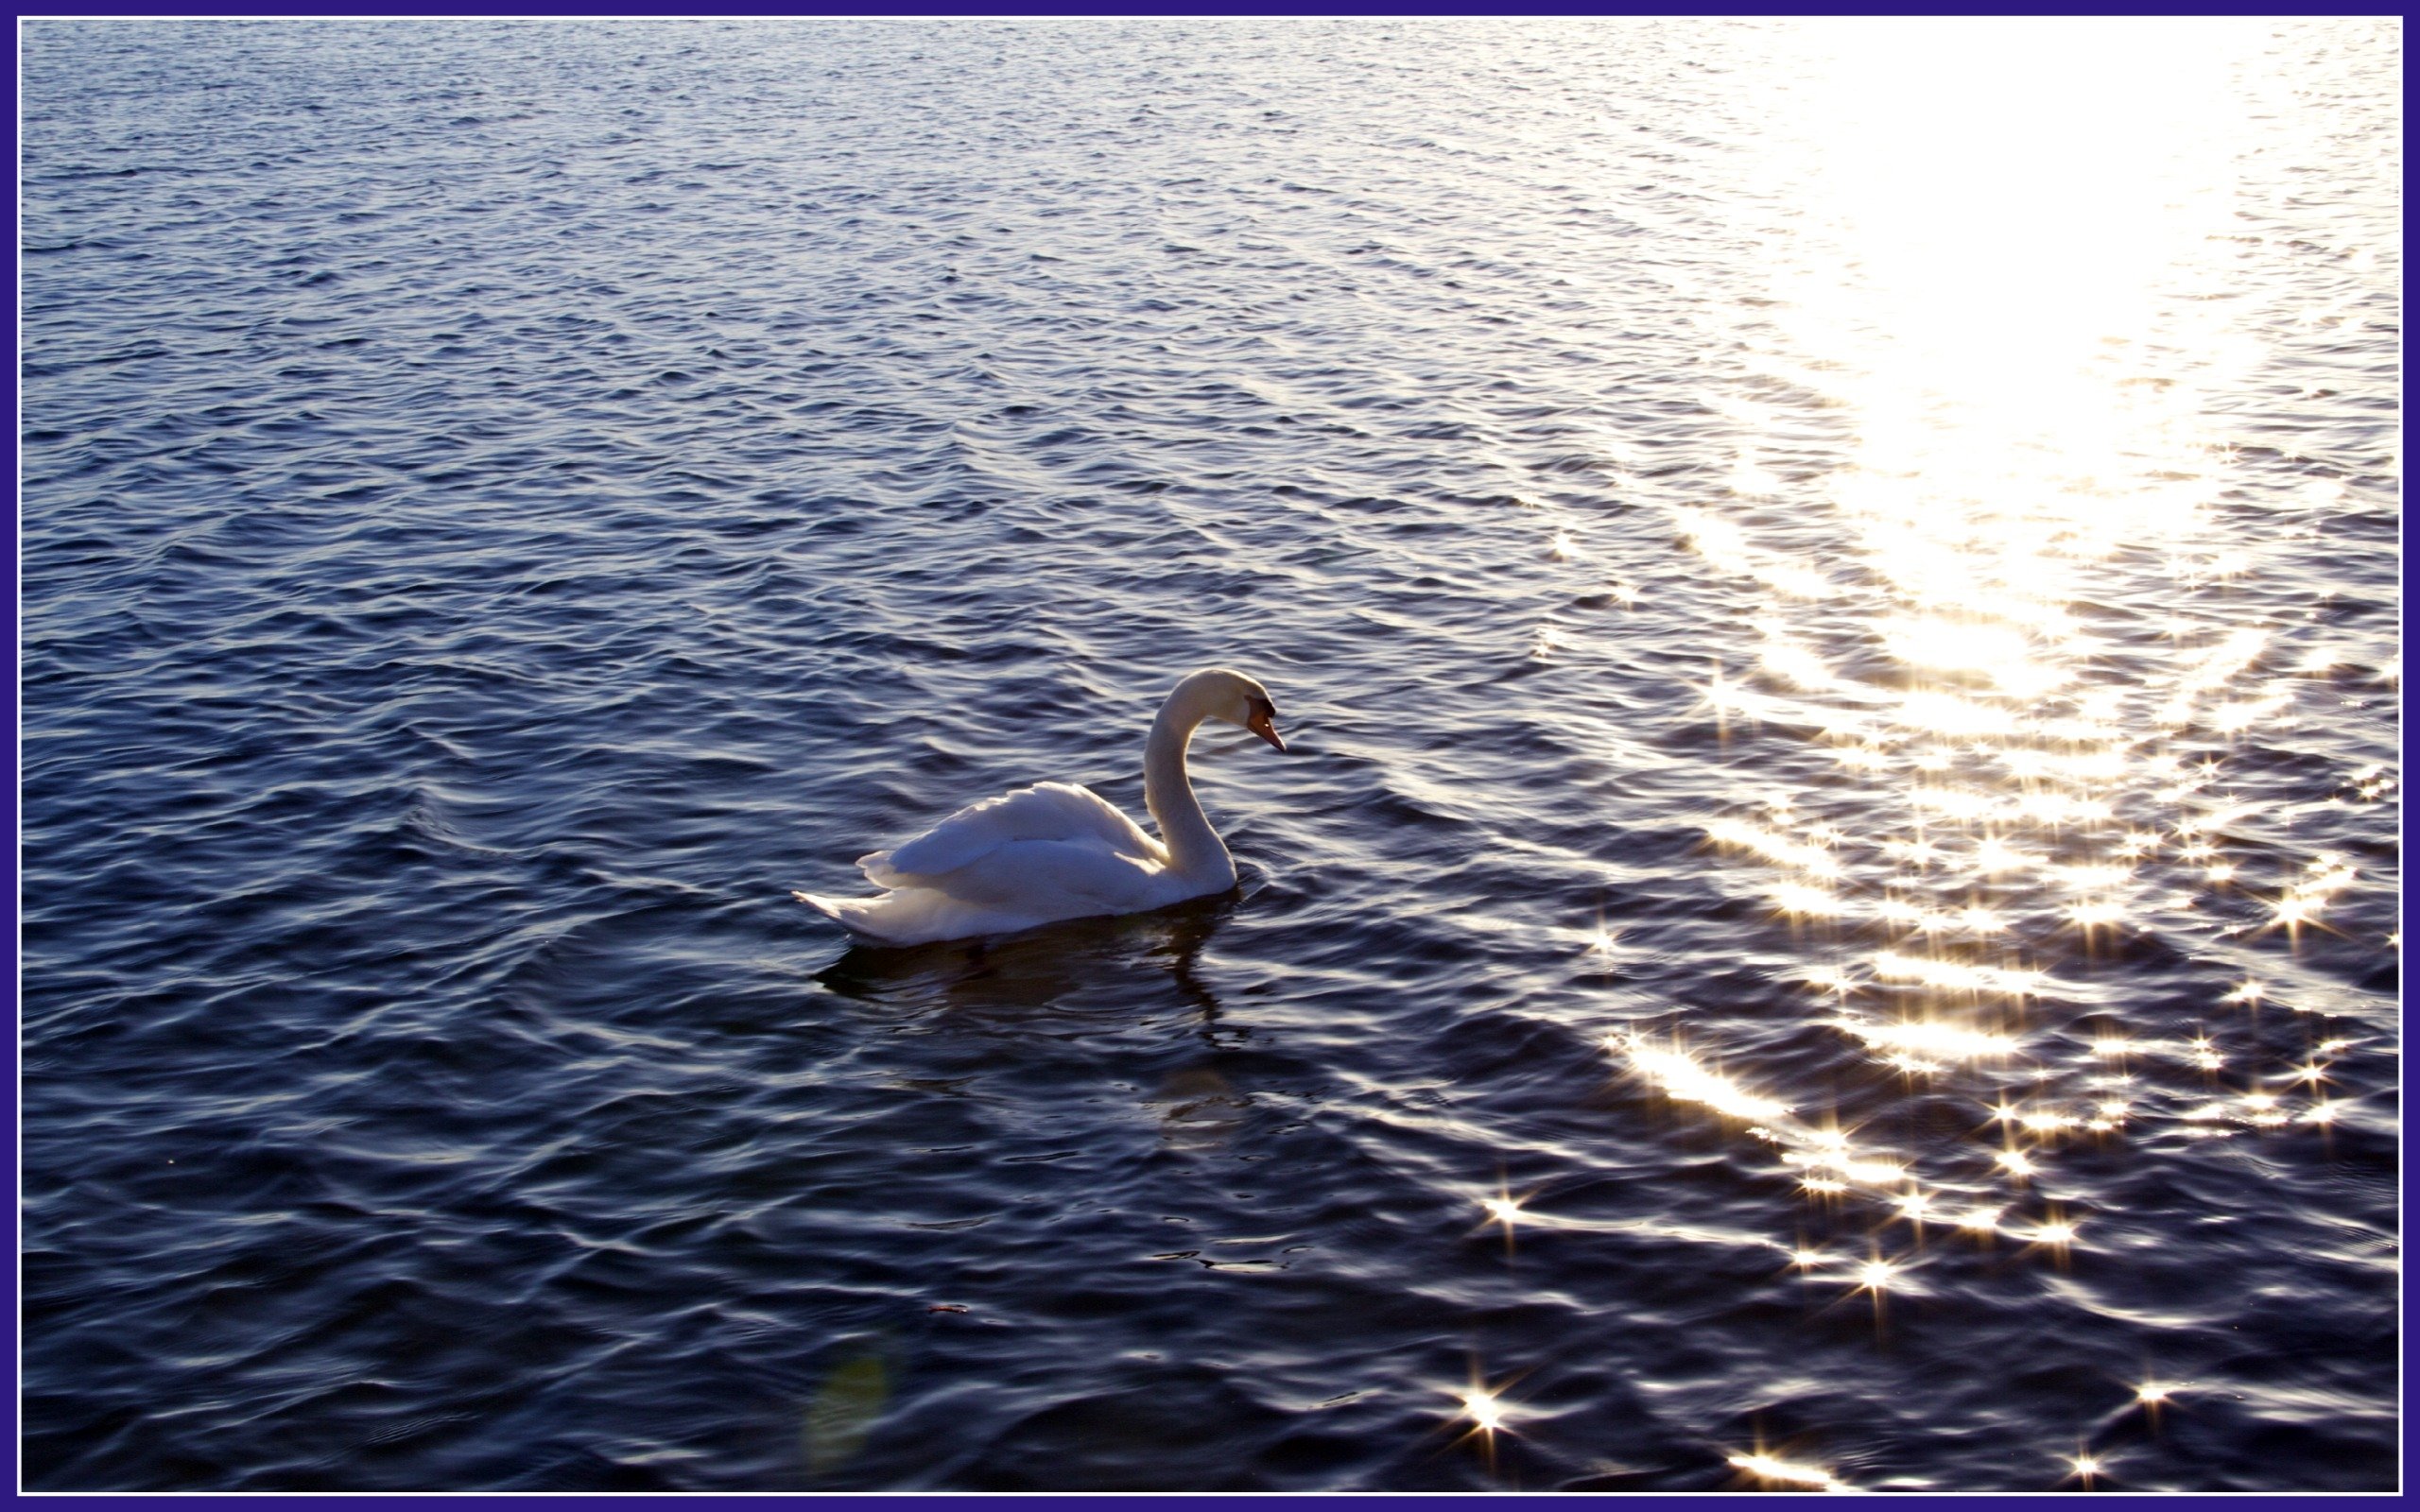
{"x": 1998, "y": 296}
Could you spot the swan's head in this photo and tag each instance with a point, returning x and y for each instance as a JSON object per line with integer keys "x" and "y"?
{"x": 1235, "y": 698}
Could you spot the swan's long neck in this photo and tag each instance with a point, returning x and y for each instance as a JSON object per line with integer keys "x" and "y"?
{"x": 1194, "y": 848}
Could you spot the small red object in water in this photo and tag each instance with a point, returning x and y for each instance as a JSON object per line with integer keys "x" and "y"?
{"x": 946, "y": 1307}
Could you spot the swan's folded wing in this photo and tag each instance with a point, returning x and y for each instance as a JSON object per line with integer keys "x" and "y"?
{"x": 1046, "y": 811}
{"x": 1041, "y": 881}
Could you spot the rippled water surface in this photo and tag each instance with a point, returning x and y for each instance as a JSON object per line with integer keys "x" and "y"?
{"x": 1831, "y": 918}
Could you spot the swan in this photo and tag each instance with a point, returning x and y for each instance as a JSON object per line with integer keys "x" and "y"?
{"x": 1054, "y": 850}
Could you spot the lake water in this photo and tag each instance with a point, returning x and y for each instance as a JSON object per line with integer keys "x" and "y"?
{"x": 1831, "y": 918}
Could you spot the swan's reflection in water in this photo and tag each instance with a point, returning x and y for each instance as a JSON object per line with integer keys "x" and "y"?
{"x": 1078, "y": 966}
{"x": 1111, "y": 974}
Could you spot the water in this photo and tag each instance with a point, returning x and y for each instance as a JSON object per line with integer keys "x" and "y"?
{"x": 1834, "y": 591}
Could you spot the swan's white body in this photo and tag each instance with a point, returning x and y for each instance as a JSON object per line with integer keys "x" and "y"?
{"x": 1053, "y": 851}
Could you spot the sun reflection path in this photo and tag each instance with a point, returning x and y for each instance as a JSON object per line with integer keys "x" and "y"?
{"x": 1981, "y": 540}
{"x": 2025, "y": 652}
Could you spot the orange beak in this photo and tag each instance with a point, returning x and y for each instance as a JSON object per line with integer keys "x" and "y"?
{"x": 1261, "y": 725}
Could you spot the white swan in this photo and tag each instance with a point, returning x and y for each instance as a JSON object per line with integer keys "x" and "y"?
{"x": 1053, "y": 851}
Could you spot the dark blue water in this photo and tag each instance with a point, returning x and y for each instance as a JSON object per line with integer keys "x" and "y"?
{"x": 1834, "y": 591}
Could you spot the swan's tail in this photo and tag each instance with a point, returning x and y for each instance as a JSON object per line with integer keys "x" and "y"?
{"x": 852, "y": 913}
{"x": 914, "y": 915}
